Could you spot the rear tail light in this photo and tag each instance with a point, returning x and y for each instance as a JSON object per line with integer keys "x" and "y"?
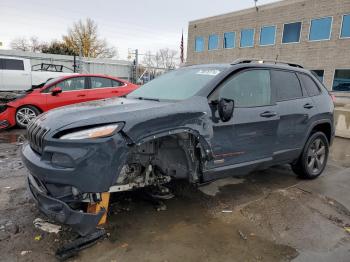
{"x": 333, "y": 97}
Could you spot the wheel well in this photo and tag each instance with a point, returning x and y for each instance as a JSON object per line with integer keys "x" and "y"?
{"x": 40, "y": 110}
{"x": 175, "y": 155}
{"x": 324, "y": 128}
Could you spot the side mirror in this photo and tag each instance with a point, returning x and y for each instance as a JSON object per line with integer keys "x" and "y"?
{"x": 225, "y": 108}
{"x": 57, "y": 90}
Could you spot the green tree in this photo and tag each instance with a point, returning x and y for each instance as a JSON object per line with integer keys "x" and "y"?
{"x": 58, "y": 48}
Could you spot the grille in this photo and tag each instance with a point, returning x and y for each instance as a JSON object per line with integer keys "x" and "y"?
{"x": 36, "y": 134}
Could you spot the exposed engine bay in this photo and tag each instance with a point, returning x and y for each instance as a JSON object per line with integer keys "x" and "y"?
{"x": 6, "y": 97}
{"x": 157, "y": 162}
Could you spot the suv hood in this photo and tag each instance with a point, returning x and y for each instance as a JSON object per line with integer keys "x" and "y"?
{"x": 142, "y": 118}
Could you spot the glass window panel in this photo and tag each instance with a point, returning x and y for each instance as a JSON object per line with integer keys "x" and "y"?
{"x": 291, "y": 33}
{"x": 13, "y": 64}
{"x": 287, "y": 85}
{"x": 345, "y": 30}
{"x": 229, "y": 40}
{"x": 248, "y": 89}
{"x": 267, "y": 35}
{"x": 247, "y": 38}
{"x": 199, "y": 44}
{"x": 309, "y": 85}
{"x": 213, "y": 42}
{"x": 72, "y": 84}
{"x": 100, "y": 82}
{"x": 320, "y": 29}
{"x": 341, "y": 81}
{"x": 319, "y": 74}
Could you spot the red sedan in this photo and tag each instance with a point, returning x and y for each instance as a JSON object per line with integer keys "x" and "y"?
{"x": 60, "y": 92}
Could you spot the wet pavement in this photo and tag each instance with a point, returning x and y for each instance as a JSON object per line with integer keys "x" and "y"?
{"x": 266, "y": 216}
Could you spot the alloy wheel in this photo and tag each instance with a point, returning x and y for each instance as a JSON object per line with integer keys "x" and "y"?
{"x": 316, "y": 156}
{"x": 25, "y": 115}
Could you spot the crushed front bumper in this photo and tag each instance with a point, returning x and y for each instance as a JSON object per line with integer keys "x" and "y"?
{"x": 7, "y": 118}
{"x": 95, "y": 166}
{"x": 81, "y": 222}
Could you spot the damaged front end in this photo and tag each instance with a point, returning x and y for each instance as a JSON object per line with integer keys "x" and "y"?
{"x": 69, "y": 174}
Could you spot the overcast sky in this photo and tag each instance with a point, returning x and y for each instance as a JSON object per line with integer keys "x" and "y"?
{"x": 143, "y": 24}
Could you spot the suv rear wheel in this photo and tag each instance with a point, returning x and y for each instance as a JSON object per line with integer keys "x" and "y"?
{"x": 313, "y": 160}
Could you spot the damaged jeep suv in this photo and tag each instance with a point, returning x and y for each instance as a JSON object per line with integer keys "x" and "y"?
{"x": 198, "y": 123}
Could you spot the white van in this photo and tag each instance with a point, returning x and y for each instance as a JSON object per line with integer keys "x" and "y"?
{"x": 16, "y": 74}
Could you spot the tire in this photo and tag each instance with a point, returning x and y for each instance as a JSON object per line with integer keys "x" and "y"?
{"x": 25, "y": 114}
{"x": 313, "y": 159}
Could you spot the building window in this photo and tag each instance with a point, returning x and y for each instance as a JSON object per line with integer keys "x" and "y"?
{"x": 291, "y": 33}
{"x": 320, "y": 29}
{"x": 268, "y": 35}
{"x": 319, "y": 74}
{"x": 247, "y": 38}
{"x": 341, "y": 81}
{"x": 229, "y": 40}
{"x": 345, "y": 29}
{"x": 199, "y": 44}
{"x": 213, "y": 42}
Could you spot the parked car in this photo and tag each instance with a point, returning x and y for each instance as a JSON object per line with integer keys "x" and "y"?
{"x": 20, "y": 109}
{"x": 199, "y": 123}
{"x": 16, "y": 74}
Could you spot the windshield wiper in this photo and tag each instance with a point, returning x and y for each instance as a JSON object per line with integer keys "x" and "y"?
{"x": 147, "y": 98}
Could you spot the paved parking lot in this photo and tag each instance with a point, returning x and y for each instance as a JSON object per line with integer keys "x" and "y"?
{"x": 266, "y": 216}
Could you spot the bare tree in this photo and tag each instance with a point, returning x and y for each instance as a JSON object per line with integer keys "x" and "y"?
{"x": 23, "y": 44}
{"x": 35, "y": 44}
{"x": 168, "y": 58}
{"x": 83, "y": 36}
{"x": 163, "y": 59}
{"x": 20, "y": 43}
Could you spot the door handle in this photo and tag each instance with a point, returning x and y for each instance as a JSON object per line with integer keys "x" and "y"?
{"x": 268, "y": 114}
{"x": 308, "y": 106}
{"x": 81, "y": 95}
{"x": 116, "y": 92}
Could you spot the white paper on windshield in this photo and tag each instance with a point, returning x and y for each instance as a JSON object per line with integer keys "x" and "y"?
{"x": 208, "y": 72}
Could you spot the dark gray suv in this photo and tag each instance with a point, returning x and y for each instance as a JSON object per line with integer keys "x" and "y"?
{"x": 198, "y": 123}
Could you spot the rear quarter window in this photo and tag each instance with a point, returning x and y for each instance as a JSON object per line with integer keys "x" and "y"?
{"x": 309, "y": 85}
{"x": 286, "y": 84}
{"x": 12, "y": 64}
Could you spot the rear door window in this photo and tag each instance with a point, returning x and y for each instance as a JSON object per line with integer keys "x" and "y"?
{"x": 100, "y": 82}
{"x": 12, "y": 64}
{"x": 309, "y": 85}
{"x": 286, "y": 84}
{"x": 248, "y": 89}
{"x": 117, "y": 83}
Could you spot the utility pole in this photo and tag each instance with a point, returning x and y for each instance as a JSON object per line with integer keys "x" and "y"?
{"x": 135, "y": 64}
{"x": 255, "y": 3}
{"x": 80, "y": 58}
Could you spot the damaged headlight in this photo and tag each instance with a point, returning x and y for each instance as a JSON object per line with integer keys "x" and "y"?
{"x": 95, "y": 132}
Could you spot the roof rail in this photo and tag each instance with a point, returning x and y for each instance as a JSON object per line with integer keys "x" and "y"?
{"x": 264, "y": 61}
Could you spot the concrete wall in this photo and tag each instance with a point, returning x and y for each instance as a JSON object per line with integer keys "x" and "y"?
{"x": 118, "y": 68}
{"x": 323, "y": 55}
{"x": 342, "y": 121}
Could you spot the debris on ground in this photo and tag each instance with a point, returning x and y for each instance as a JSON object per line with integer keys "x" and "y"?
{"x": 226, "y": 211}
{"x": 46, "y": 226}
{"x": 347, "y": 229}
{"x": 25, "y": 252}
{"x": 7, "y": 228}
{"x": 243, "y": 236}
{"x": 37, "y": 238}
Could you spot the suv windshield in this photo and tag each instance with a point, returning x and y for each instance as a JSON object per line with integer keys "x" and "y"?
{"x": 178, "y": 84}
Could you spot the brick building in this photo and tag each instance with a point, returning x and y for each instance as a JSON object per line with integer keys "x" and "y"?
{"x": 314, "y": 33}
